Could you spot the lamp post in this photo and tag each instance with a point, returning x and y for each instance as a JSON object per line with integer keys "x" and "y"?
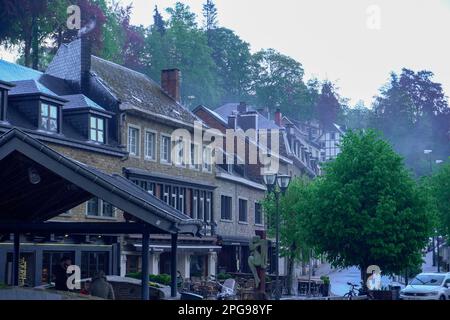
{"x": 272, "y": 180}
{"x": 437, "y": 238}
{"x": 429, "y": 152}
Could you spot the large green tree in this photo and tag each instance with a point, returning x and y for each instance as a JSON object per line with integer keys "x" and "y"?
{"x": 277, "y": 81}
{"x": 412, "y": 111}
{"x": 440, "y": 185}
{"x": 328, "y": 107}
{"x": 367, "y": 209}
{"x": 184, "y": 46}
{"x": 232, "y": 58}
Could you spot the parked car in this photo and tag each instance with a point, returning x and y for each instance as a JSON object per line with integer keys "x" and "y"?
{"x": 428, "y": 286}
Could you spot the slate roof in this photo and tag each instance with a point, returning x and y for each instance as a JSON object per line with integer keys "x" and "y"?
{"x": 138, "y": 90}
{"x": 14, "y": 72}
{"x": 80, "y": 101}
{"x": 227, "y": 109}
{"x": 30, "y": 87}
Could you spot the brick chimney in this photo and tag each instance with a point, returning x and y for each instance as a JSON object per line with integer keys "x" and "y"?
{"x": 170, "y": 83}
{"x": 232, "y": 122}
{"x": 242, "y": 107}
{"x": 278, "y": 118}
{"x": 85, "y": 63}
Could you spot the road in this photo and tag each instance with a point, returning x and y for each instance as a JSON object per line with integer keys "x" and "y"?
{"x": 339, "y": 278}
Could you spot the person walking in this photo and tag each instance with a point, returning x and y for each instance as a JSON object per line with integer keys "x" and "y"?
{"x": 101, "y": 288}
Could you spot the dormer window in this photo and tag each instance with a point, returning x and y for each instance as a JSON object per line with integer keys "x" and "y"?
{"x": 49, "y": 118}
{"x": 97, "y": 129}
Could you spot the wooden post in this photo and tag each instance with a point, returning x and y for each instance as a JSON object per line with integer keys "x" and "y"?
{"x": 173, "y": 265}
{"x": 16, "y": 259}
{"x": 145, "y": 255}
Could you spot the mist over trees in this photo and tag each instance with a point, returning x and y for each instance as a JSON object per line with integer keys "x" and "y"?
{"x": 217, "y": 67}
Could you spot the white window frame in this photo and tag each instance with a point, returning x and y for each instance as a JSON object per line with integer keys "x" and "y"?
{"x": 169, "y": 152}
{"x": 96, "y": 129}
{"x": 239, "y": 210}
{"x": 231, "y": 208}
{"x": 138, "y": 141}
{"x": 180, "y": 155}
{"x": 194, "y": 163}
{"x": 262, "y": 214}
{"x": 207, "y": 163}
{"x": 155, "y": 144}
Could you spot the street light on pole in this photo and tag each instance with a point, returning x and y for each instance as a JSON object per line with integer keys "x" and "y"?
{"x": 271, "y": 180}
{"x": 437, "y": 238}
{"x": 429, "y": 152}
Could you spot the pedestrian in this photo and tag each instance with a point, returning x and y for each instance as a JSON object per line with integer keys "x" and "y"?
{"x": 100, "y": 287}
{"x": 60, "y": 274}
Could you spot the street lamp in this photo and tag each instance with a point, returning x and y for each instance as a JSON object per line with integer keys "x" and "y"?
{"x": 271, "y": 180}
{"x": 429, "y": 152}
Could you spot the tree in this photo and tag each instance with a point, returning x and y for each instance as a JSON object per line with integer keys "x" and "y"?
{"x": 210, "y": 15}
{"x": 440, "y": 186}
{"x": 367, "y": 210}
{"x": 412, "y": 110}
{"x": 232, "y": 58}
{"x": 293, "y": 245}
{"x": 158, "y": 22}
{"x": 28, "y": 23}
{"x": 184, "y": 46}
{"x": 277, "y": 81}
{"x": 359, "y": 117}
{"x": 328, "y": 107}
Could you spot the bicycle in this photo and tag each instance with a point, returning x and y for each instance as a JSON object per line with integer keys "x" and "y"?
{"x": 353, "y": 291}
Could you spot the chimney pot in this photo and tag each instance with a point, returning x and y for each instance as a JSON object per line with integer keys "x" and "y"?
{"x": 278, "y": 118}
{"x": 170, "y": 83}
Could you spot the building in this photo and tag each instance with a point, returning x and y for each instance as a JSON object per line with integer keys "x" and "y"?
{"x": 237, "y": 200}
{"x": 121, "y": 122}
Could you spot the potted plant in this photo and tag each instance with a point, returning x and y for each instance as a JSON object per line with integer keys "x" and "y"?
{"x": 326, "y": 285}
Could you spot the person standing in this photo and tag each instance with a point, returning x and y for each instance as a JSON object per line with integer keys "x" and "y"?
{"x": 60, "y": 274}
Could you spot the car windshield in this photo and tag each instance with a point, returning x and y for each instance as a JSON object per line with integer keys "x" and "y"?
{"x": 427, "y": 280}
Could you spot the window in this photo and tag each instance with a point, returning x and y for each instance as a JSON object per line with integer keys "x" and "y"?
{"x": 49, "y": 118}
{"x": 208, "y": 207}
{"x": 207, "y": 159}
{"x": 99, "y": 208}
{"x": 133, "y": 141}
{"x": 97, "y": 129}
{"x": 243, "y": 210}
{"x": 166, "y": 195}
{"x": 165, "y": 149}
{"x": 179, "y": 153}
{"x": 174, "y": 199}
{"x": 93, "y": 262}
{"x": 50, "y": 259}
{"x": 146, "y": 185}
{"x": 150, "y": 145}
{"x": 258, "y": 214}
{"x": 194, "y": 157}
{"x": 226, "y": 209}
{"x": 201, "y": 206}
{"x": 181, "y": 197}
{"x": 195, "y": 204}
{"x": 333, "y": 136}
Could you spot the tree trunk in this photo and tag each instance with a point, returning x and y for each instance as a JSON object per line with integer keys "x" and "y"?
{"x": 290, "y": 275}
{"x": 363, "y": 277}
{"x": 35, "y": 43}
{"x": 26, "y": 52}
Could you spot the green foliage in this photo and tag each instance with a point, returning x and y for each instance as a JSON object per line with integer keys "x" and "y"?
{"x": 292, "y": 208}
{"x": 367, "y": 210}
{"x": 440, "y": 188}
{"x": 277, "y": 80}
{"x": 413, "y": 114}
{"x": 184, "y": 46}
{"x": 224, "y": 276}
{"x": 163, "y": 279}
{"x": 328, "y": 107}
